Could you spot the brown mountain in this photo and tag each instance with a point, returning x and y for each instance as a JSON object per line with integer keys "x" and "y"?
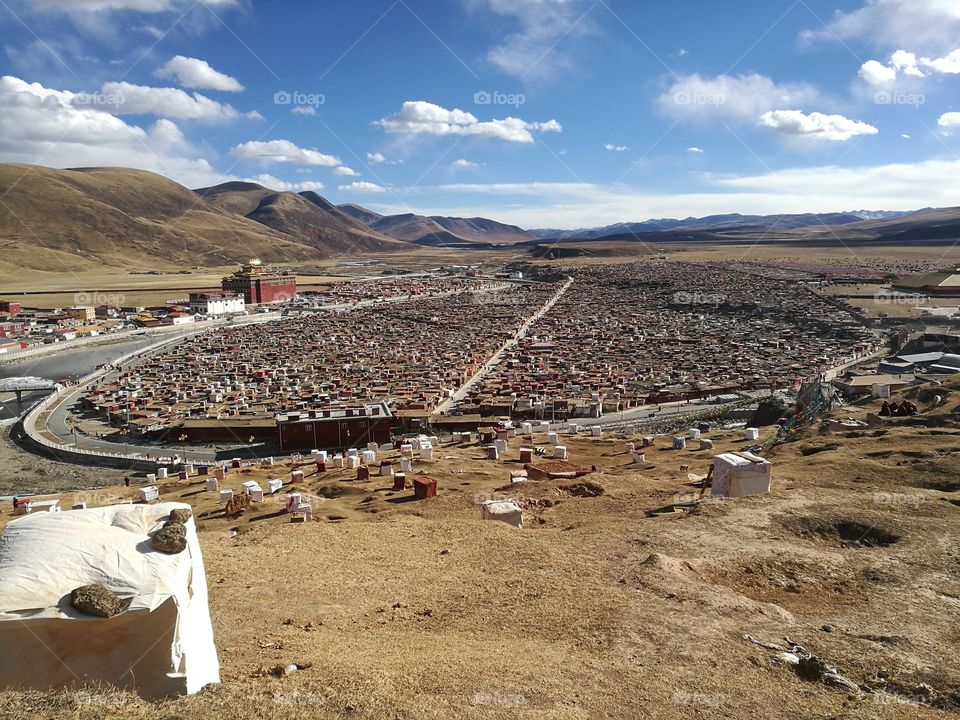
{"x": 306, "y": 217}
{"x": 357, "y": 212}
{"x": 437, "y": 229}
{"x": 416, "y": 229}
{"x": 923, "y": 225}
{"x": 483, "y": 230}
{"x": 87, "y": 218}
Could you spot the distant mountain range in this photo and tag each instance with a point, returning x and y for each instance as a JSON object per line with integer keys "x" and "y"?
{"x": 438, "y": 230}
{"x": 717, "y": 222}
{"x": 85, "y": 219}
{"x": 306, "y": 217}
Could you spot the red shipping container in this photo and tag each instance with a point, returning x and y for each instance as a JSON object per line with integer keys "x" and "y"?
{"x": 424, "y": 487}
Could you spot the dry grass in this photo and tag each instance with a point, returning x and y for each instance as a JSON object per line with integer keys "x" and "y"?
{"x": 596, "y": 608}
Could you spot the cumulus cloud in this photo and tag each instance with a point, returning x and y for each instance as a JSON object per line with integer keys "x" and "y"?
{"x": 346, "y": 171}
{"x": 888, "y": 23}
{"x": 275, "y": 183}
{"x": 695, "y": 150}
{"x": 876, "y": 73}
{"x": 815, "y": 125}
{"x": 949, "y": 64}
{"x": 303, "y": 110}
{"x": 539, "y": 47}
{"x": 738, "y": 97}
{"x": 197, "y": 74}
{"x": 170, "y": 102}
{"x": 463, "y": 164}
{"x": 949, "y": 121}
{"x": 282, "y": 151}
{"x": 907, "y": 64}
{"x": 40, "y": 125}
{"x": 362, "y": 186}
{"x": 375, "y": 158}
{"x": 615, "y": 148}
{"x": 418, "y": 117}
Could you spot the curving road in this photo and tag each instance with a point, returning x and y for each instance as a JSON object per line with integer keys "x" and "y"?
{"x": 52, "y": 422}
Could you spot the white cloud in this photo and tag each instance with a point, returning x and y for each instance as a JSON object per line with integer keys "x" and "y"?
{"x": 197, "y": 74}
{"x": 346, "y": 171}
{"x": 906, "y": 64}
{"x": 169, "y": 102}
{"x": 283, "y": 151}
{"x": 905, "y": 136}
{"x": 740, "y": 97}
{"x": 615, "y": 148}
{"x": 949, "y": 64}
{"x": 695, "y": 150}
{"x": 44, "y": 126}
{"x": 303, "y": 110}
{"x": 888, "y": 23}
{"x": 815, "y": 125}
{"x": 540, "y": 46}
{"x": 362, "y": 186}
{"x": 949, "y": 121}
{"x": 463, "y": 164}
{"x": 876, "y": 73}
{"x": 419, "y": 117}
{"x": 275, "y": 183}
{"x": 375, "y": 158}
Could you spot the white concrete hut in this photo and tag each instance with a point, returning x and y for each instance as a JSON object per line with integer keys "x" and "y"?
{"x": 741, "y": 473}
{"x": 160, "y": 646}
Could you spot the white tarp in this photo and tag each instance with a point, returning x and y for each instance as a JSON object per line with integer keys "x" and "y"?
{"x": 503, "y": 510}
{"x": 739, "y": 474}
{"x": 162, "y": 645}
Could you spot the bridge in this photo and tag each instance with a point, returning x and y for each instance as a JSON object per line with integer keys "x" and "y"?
{"x": 20, "y": 385}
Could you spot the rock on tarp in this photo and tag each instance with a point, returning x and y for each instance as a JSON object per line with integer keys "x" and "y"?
{"x": 160, "y": 646}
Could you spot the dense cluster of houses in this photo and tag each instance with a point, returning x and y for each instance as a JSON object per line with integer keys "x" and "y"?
{"x": 654, "y": 332}
{"x": 21, "y": 328}
{"x": 620, "y": 337}
{"x": 233, "y": 382}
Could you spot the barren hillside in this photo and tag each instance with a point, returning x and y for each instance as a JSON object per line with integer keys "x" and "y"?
{"x": 606, "y": 603}
{"x": 74, "y": 220}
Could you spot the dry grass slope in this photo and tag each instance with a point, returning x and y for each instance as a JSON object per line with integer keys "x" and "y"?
{"x": 75, "y": 220}
{"x": 603, "y": 605}
{"x": 72, "y": 221}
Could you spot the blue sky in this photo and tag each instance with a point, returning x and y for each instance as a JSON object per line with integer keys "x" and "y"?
{"x": 546, "y": 113}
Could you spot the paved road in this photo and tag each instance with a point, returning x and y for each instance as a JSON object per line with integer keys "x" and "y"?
{"x": 52, "y": 423}
{"x": 496, "y": 357}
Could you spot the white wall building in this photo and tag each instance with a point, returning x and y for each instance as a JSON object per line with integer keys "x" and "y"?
{"x": 214, "y": 304}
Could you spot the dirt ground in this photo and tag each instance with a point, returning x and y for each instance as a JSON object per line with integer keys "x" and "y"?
{"x": 604, "y": 604}
{"x": 26, "y": 473}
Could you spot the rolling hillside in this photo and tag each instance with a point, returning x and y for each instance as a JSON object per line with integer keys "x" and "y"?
{"x": 306, "y": 217}
{"x": 437, "y": 230}
{"x": 87, "y": 218}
